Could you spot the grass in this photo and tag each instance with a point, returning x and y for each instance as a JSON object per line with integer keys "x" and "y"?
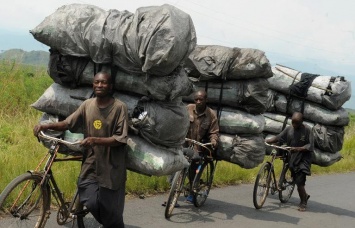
{"x": 20, "y": 151}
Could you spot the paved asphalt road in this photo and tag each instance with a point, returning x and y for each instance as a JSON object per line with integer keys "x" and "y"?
{"x": 332, "y": 204}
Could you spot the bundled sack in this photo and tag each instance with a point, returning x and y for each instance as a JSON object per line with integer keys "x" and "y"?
{"x": 63, "y": 101}
{"x": 325, "y": 159}
{"x": 247, "y": 151}
{"x": 311, "y": 111}
{"x": 330, "y": 92}
{"x": 249, "y": 95}
{"x": 67, "y": 149}
{"x": 162, "y": 123}
{"x": 234, "y": 121}
{"x": 73, "y": 72}
{"x": 209, "y": 62}
{"x": 146, "y": 158}
{"x": 319, "y": 157}
{"x": 154, "y": 40}
{"x": 327, "y": 138}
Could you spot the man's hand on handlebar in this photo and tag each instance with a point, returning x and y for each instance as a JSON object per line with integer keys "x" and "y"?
{"x": 214, "y": 144}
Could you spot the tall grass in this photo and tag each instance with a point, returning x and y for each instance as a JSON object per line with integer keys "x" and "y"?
{"x": 20, "y": 151}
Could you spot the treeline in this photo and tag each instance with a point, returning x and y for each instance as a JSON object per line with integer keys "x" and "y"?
{"x": 37, "y": 58}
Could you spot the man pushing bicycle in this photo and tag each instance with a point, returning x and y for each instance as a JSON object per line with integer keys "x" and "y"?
{"x": 298, "y": 136}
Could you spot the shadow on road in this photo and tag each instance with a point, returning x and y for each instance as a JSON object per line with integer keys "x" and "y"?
{"x": 221, "y": 210}
{"x": 317, "y": 207}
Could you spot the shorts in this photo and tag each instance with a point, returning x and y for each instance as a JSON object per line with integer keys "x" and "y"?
{"x": 299, "y": 178}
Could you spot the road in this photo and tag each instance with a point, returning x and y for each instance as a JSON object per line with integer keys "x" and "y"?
{"x": 332, "y": 204}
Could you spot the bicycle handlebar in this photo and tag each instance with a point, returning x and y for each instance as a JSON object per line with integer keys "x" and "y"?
{"x": 198, "y": 143}
{"x": 288, "y": 148}
{"x": 44, "y": 136}
{"x": 204, "y": 145}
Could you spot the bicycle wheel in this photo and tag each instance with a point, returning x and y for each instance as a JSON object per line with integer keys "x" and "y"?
{"x": 175, "y": 191}
{"x": 262, "y": 185}
{"x": 202, "y": 183}
{"x": 286, "y": 185}
{"x": 24, "y": 203}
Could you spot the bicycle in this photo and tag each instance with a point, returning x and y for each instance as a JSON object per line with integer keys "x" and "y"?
{"x": 266, "y": 174}
{"x": 202, "y": 182}
{"x": 26, "y": 200}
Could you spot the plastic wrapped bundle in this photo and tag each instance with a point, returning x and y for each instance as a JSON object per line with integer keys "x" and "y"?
{"x": 210, "y": 62}
{"x": 249, "y": 95}
{"x": 73, "y": 72}
{"x": 63, "y": 101}
{"x": 150, "y": 159}
{"x": 247, "y": 151}
{"x": 330, "y": 92}
{"x": 153, "y": 40}
{"x": 311, "y": 111}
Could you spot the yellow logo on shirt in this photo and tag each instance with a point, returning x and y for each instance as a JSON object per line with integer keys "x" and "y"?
{"x": 97, "y": 124}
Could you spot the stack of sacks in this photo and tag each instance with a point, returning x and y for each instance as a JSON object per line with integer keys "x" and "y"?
{"x": 153, "y": 40}
{"x": 143, "y": 52}
{"x": 237, "y": 86}
{"x": 319, "y": 98}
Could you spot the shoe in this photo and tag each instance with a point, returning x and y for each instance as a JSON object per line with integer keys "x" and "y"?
{"x": 190, "y": 199}
{"x": 164, "y": 204}
{"x": 302, "y": 207}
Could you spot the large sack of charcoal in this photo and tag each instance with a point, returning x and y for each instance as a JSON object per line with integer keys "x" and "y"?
{"x": 153, "y": 40}
{"x": 329, "y": 91}
{"x": 211, "y": 62}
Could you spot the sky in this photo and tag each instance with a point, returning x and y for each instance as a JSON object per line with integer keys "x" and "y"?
{"x": 315, "y": 36}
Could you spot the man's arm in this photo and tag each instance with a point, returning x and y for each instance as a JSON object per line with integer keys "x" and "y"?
{"x": 60, "y": 126}
{"x": 100, "y": 141}
{"x": 214, "y": 131}
{"x": 272, "y": 140}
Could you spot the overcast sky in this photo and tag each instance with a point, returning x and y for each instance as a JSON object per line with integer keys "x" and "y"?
{"x": 319, "y": 32}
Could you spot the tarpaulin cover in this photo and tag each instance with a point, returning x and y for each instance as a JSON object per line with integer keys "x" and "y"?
{"x": 210, "y": 62}
{"x": 153, "y": 40}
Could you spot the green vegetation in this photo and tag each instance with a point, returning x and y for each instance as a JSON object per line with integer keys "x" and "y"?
{"x": 20, "y": 151}
{"x": 39, "y": 58}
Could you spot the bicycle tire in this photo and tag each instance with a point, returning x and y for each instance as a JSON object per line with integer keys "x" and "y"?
{"x": 262, "y": 185}
{"x": 175, "y": 191}
{"x": 24, "y": 203}
{"x": 202, "y": 183}
{"x": 286, "y": 185}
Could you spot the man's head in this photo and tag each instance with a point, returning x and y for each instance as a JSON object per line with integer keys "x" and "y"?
{"x": 200, "y": 98}
{"x": 102, "y": 84}
{"x": 297, "y": 120}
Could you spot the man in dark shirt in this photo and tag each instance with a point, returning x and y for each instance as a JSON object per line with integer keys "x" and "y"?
{"x": 300, "y": 138}
{"x": 102, "y": 178}
{"x": 203, "y": 128}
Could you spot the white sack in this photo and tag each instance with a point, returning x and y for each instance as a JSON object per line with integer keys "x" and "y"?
{"x": 149, "y": 159}
{"x": 234, "y": 121}
{"x": 330, "y": 92}
{"x": 312, "y": 111}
